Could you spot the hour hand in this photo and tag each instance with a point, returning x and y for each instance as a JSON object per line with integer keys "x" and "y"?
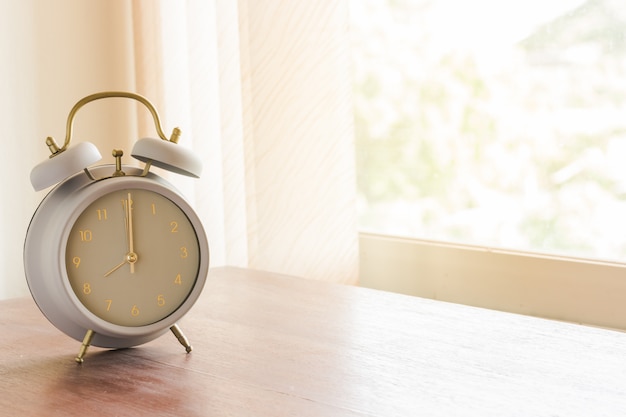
{"x": 115, "y": 268}
{"x": 130, "y": 258}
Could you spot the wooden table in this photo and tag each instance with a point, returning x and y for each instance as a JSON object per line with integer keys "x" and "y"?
{"x": 270, "y": 345}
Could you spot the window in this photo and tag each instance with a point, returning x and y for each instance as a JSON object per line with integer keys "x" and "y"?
{"x": 500, "y": 129}
{"x": 493, "y": 123}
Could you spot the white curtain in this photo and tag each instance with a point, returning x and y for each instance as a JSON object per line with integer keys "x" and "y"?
{"x": 260, "y": 89}
{"x": 53, "y": 54}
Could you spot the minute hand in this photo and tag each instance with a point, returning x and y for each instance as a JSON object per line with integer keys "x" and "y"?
{"x": 131, "y": 245}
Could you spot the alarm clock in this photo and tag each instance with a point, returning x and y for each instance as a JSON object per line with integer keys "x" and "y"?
{"x": 114, "y": 255}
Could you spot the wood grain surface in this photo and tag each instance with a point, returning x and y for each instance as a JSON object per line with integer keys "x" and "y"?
{"x": 272, "y": 345}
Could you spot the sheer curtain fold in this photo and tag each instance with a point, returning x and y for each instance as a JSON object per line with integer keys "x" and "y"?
{"x": 266, "y": 92}
{"x": 298, "y": 116}
{"x": 176, "y": 59}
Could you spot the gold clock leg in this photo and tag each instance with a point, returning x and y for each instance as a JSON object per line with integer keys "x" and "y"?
{"x": 181, "y": 337}
{"x": 83, "y": 348}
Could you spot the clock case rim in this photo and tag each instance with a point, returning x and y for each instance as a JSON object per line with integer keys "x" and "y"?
{"x": 45, "y": 248}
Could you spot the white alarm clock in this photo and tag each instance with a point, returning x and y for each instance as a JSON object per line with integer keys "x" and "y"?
{"x": 114, "y": 255}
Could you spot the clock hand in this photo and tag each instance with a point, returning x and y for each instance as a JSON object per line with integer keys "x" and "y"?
{"x": 131, "y": 257}
{"x": 116, "y": 267}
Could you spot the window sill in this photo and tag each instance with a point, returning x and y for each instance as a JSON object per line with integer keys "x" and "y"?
{"x": 569, "y": 289}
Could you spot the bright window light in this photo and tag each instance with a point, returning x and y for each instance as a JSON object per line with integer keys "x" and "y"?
{"x": 495, "y": 123}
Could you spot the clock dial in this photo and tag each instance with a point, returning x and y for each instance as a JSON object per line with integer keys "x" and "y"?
{"x": 132, "y": 257}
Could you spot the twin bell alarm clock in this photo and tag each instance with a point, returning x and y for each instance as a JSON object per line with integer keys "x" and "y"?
{"x": 114, "y": 255}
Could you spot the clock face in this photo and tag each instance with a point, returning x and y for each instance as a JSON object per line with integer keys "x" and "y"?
{"x": 132, "y": 257}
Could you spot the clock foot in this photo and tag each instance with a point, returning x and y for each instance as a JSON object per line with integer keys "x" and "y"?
{"x": 83, "y": 348}
{"x": 181, "y": 337}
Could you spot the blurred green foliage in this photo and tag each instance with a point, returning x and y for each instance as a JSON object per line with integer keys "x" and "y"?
{"x": 522, "y": 147}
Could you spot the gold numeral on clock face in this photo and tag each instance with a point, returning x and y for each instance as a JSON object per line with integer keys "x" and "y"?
{"x": 160, "y": 300}
{"x": 183, "y": 252}
{"x": 76, "y": 261}
{"x": 109, "y": 302}
{"x": 134, "y": 311}
{"x": 178, "y": 280}
{"x": 85, "y": 235}
{"x": 126, "y": 204}
{"x": 174, "y": 227}
{"x": 102, "y": 214}
{"x": 87, "y": 288}
{"x": 153, "y": 209}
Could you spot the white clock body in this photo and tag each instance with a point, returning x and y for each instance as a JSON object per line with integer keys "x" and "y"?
{"x": 62, "y": 283}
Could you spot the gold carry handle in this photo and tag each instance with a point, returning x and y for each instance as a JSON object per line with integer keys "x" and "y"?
{"x": 54, "y": 148}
